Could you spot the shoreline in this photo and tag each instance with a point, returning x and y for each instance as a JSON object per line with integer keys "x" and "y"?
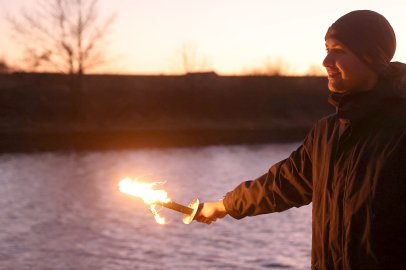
{"x": 41, "y": 112}
{"x": 136, "y": 139}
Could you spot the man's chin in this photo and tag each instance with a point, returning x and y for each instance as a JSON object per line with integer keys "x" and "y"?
{"x": 335, "y": 88}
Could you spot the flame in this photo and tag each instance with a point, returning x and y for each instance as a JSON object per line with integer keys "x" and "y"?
{"x": 147, "y": 193}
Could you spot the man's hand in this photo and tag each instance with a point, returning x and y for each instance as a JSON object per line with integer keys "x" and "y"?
{"x": 210, "y": 211}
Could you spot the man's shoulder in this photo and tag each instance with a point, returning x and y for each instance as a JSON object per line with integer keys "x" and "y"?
{"x": 325, "y": 126}
{"x": 326, "y": 121}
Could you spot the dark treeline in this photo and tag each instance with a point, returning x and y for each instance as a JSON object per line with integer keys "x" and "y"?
{"x": 39, "y": 112}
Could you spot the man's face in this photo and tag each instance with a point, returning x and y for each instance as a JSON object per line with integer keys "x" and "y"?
{"x": 346, "y": 72}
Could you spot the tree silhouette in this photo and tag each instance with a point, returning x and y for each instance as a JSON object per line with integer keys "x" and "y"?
{"x": 4, "y": 68}
{"x": 191, "y": 60}
{"x": 64, "y": 36}
{"x": 271, "y": 67}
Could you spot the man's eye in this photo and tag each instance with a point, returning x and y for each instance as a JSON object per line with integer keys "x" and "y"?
{"x": 334, "y": 50}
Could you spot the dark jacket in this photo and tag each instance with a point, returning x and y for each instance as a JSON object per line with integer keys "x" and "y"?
{"x": 352, "y": 167}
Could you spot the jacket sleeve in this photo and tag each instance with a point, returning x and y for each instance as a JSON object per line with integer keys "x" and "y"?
{"x": 288, "y": 183}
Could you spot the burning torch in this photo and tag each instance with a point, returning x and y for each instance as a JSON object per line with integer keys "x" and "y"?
{"x": 154, "y": 197}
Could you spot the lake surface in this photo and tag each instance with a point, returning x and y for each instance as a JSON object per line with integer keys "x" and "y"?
{"x": 64, "y": 211}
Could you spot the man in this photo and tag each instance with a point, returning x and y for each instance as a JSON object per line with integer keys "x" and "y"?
{"x": 352, "y": 164}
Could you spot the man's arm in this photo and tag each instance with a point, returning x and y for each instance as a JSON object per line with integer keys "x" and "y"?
{"x": 287, "y": 184}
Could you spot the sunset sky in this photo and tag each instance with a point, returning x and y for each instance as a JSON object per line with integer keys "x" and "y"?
{"x": 229, "y": 36}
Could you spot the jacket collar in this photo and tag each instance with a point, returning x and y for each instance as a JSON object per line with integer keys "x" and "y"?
{"x": 354, "y": 107}
{"x": 389, "y": 90}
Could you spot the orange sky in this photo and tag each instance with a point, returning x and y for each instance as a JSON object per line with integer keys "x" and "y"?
{"x": 228, "y": 36}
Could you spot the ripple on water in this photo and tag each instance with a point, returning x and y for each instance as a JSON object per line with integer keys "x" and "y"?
{"x": 64, "y": 211}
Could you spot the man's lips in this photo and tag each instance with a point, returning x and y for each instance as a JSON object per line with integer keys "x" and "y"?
{"x": 333, "y": 73}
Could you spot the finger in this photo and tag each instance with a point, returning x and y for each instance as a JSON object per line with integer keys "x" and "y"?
{"x": 206, "y": 220}
{"x": 199, "y": 218}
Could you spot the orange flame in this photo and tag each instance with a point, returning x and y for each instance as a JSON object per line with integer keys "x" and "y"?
{"x": 147, "y": 193}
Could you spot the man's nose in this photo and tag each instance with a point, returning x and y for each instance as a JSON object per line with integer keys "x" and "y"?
{"x": 328, "y": 61}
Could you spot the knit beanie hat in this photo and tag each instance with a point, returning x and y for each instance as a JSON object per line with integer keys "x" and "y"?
{"x": 367, "y": 34}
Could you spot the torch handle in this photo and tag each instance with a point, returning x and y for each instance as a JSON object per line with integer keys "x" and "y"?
{"x": 178, "y": 207}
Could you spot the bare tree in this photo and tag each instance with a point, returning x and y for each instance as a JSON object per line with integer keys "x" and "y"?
{"x": 65, "y": 36}
{"x": 316, "y": 70}
{"x": 62, "y": 35}
{"x": 4, "y": 67}
{"x": 191, "y": 61}
{"x": 277, "y": 67}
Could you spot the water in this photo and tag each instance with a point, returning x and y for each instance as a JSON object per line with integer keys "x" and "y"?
{"x": 63, "y": 211}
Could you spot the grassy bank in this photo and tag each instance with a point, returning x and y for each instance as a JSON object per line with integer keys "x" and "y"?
{"x": 38, "y": 112}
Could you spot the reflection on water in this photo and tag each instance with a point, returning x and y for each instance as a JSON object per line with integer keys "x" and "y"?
{"x": 64, "y": 211}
